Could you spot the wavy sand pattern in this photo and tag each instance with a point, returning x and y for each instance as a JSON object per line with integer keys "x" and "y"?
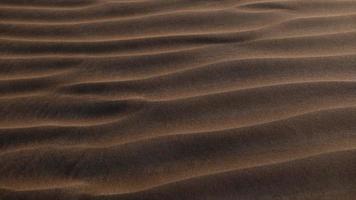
{"x": 177, "y": 99}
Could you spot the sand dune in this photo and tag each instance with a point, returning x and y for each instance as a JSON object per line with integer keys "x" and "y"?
{"x": 186, "y": 100}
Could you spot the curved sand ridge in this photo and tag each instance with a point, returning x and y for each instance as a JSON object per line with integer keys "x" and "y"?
{"x": 156, "y": 99}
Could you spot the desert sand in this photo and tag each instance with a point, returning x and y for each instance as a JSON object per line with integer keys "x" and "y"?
{"x": 177, "y": 99}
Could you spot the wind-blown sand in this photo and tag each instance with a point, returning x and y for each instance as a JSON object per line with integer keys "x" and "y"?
{"x": 177, "y": 99}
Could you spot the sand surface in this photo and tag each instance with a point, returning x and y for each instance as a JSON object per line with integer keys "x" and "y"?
{"x": 177, "y": 99}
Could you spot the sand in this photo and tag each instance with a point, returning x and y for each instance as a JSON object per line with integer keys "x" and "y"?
{"x": 177, "y": 99}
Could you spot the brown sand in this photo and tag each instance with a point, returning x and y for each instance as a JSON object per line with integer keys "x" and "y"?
{"x": 177, "y": 99}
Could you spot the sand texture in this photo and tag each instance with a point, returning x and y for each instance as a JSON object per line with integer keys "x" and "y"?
{"x": 177, "y": 99}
